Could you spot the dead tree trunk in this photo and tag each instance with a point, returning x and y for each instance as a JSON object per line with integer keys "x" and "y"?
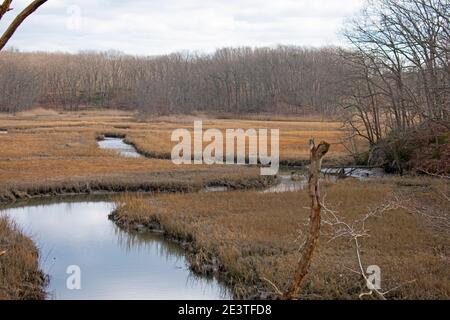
{"x": 316, "y": 155}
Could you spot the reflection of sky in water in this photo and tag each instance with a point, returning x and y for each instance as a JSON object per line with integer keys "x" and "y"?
{"x": 114, "y": 264}
{"x": 359, "y": 173}
{"x": 286, "y": 184}
{"x": 124, "y": 149}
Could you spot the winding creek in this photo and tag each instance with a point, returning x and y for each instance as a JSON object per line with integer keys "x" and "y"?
{"x": 119, "y": 145}
{"x": 114, "y": 264}
{"x": 118, "y": 264}
{"x": 292, "y": 182}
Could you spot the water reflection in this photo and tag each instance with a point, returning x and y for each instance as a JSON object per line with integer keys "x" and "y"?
{"x": 296, "y": 181}
{"x": 114, "y": 264}
{"x": 118, "y": 144}
{"x": 288, "y": 183}
{"x": 168, "y": 250}
{"x": 359, "y": 173}
{"x": 214, "y": 189}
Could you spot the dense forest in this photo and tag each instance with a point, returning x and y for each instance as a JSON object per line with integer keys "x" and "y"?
{"x": 240, "y": 80}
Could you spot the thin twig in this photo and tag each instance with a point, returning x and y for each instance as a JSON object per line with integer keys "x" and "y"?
{"x": 357, "y": 229}
{"x": 277, "y": 291}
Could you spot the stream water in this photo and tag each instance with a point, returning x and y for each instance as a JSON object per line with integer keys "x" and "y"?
{"x": 117, "y": 264}
{"x": 298, "y": 181}
{"x": 119, "y": 145}
{"x": 114, "y": 264}
{"x": 287, "y": 182}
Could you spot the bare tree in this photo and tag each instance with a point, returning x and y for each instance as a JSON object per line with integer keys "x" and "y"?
{"x": 401, "y": 71}
{"x": 399, "y": 79}
{"x": 19, "y": 83}
{"x": 283, "y": 80}
{"x": 316, "y": 156}
{"x": 356, "y": 230}
{"x": 5, "y": 7}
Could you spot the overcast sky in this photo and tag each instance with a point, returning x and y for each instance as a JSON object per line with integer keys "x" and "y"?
{"x": 149, "y": 27}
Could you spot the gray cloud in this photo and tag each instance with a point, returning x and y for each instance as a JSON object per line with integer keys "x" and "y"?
{"x": 164, "y": 26}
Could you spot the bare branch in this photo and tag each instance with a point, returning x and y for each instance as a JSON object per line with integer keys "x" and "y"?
{"x": 18, "y": 20}
{"x": 357, "y": 229}
{"x": 434, "y": 174}
{"x": 5, "y": 7}
{"x": 277, "y": 291}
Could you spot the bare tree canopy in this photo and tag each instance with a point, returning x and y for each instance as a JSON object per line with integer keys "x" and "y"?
{"x": 401, "y": 71}
{"x": 289, "y": 80}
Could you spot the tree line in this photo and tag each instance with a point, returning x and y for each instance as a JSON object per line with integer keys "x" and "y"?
{"x": 231, "y": 80}
{"x": 394, "y": 75}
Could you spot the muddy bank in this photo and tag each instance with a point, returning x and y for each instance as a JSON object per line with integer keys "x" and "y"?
{"x": 128, "y": 264}
{"x": 154, "y": 183}
{"x": 142, "y": 152}
{"x": 20, "y": 275}
{"x": 201, "y": 262}
{"x": 30, "y": 283}
{"x": 243, "y": 238}
{"x": 148, "y": 154}
{"x": 294, "y": 163}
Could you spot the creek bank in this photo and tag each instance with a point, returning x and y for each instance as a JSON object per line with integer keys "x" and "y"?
{"x": 20, "y": 275}
{"x": 117, "y": 143}
{"x": 137, "y": 149}
{"x": 423, "y": 149}
{"x": 12, "y": 194}
{"x": 23, "y": 193}
{"x": 288, "y": 163}
{"x": 201, "y": 262}
{"x": 149, "y": 154}
{"x": 114, "y": 264}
